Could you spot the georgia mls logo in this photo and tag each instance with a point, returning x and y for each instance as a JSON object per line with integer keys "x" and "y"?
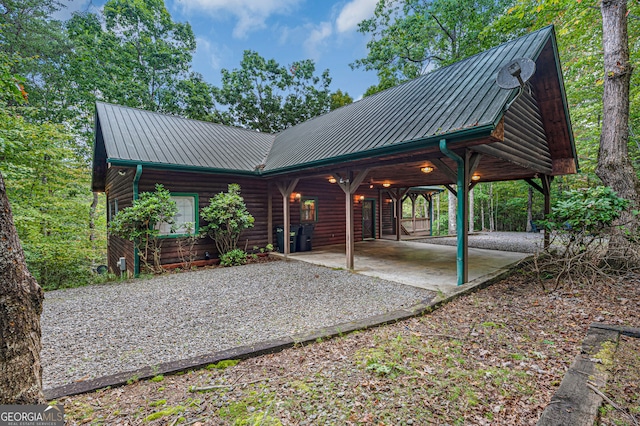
{"x": 31, "y": 415}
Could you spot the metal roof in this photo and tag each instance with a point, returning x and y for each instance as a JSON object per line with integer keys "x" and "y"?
{"x": 461, "y": 96}
{"x": 136, "y": 135}
{"x": 456, "y": 100}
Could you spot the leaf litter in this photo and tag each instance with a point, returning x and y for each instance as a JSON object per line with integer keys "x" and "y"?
{"x": 494, "y": 357}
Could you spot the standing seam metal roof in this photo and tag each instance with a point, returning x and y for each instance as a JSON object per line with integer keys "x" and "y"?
{"x": 461, "y": 96}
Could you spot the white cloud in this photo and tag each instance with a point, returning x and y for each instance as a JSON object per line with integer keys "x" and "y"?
{"x": 353, "y": 13}
{"x": 250, "y": 14}
{"x": 317, "y": 36}
{"x": 206, "y": 49}
{"x": 71, "y": 6}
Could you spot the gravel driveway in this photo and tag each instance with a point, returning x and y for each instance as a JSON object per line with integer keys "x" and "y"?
{"x": 521, "y": 242}
{"x": 98, "y": 330}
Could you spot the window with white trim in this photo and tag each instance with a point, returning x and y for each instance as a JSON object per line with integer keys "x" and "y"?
{"x": 187, "y": 205}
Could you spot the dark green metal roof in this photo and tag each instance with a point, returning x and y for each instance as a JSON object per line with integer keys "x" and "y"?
{"x": 138, "y": 136}
{"x": 461, "y": 101}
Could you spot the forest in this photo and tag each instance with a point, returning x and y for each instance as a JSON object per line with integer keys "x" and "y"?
{"x": 133, "y": 53}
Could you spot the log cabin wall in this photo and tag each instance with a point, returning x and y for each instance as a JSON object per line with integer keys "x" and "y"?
{"x": 253, "y": 190}
{"x": 119, "y": 192}
{"x": 330, "y": 227}
{"x": 388, "y": 215}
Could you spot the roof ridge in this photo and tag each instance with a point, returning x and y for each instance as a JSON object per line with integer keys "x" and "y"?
{"x": 186, "y": 118}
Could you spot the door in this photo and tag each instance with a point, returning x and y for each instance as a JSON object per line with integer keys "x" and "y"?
{"x": 368, "y": 219}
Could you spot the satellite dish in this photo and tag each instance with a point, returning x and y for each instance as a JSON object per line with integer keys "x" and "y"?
{"x": 516, "y": 73}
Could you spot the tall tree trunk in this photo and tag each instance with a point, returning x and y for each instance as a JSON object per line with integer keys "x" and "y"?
{"x": 452, "y": 213}
{"x": 20, "y": 308}
{"x": 529, "y": 228}
{"x": 471, "y": 214}
{"x": 614, "y": 167}
{"x": 492, "y": 223}
{"x": 92, "y": 217}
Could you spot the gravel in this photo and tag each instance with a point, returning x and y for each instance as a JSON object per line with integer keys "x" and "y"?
{"x": 98, "y": 330}
{"x": 521, "y": 242}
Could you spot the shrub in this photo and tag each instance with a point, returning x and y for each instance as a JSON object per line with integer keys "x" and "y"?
{"x": 233, "y": 257}
{"x": 226, "y": 216}
{"x": 138, "y": 224}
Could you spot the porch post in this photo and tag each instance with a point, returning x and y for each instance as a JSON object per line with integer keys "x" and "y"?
{"x": 286, "y": 188}
{"x": 349, "y": 184}
{"x": 462, "y": 222}
{"x": 398, "y": 215}
{"x": 269, "y": 215}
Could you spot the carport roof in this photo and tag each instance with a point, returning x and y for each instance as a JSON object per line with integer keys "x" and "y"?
{"x": 458, "y": 102}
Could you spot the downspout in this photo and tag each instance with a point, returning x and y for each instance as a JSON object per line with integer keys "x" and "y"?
{"x": 136, "y": 255}
{"x": 461, "y": 234}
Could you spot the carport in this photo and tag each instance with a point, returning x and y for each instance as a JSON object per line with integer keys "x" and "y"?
{"x": 454, "y": 127}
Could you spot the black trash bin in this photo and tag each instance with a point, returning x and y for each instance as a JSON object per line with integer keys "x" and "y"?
{"x": 304, "y": 236}
{"x": 293, "y": 238}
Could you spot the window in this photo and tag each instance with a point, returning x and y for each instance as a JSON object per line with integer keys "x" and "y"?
{"x": 308, "y": 209}
{"x": 113, "y": 209}
{"x": 187, "y": 212}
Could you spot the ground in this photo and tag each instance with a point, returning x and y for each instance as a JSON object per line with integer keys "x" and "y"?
{"x": 492, "y": 357}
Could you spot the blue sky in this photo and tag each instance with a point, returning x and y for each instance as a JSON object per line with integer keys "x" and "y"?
{"x": 285, "y": 30}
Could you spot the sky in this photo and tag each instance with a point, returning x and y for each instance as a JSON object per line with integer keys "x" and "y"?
{"x": 285, "y": 30}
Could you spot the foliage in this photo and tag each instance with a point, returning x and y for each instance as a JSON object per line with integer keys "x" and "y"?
{"x": 226, "y": 216}
{"x": 266, "y": 96}
{"x": 233, "y": 257}
{"x": 581, "y": 223}
{"x": 186, "y": 245}
{"x": 139, "y": 223}
{"x": 339, "y": 99}
{"x": 411, "y": 37}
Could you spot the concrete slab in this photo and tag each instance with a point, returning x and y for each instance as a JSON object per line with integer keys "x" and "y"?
{"x": 428, "y": 266}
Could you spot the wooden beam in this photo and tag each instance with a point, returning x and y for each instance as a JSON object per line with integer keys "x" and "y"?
{"x": 451, "y": 190}
{"x": 440, "y": 165}
{"x": 349, "y": 184}
{"x": 534, "y": 185}
{"x": 286, "y": 187}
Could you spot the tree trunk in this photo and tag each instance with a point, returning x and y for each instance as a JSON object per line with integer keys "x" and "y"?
{"x": 492, "y": 223}
{"x": 614, "y": 167}
{"x": 20, "y": 308}
{"x": 452, "y": 213}
{"x": 529, "y": 210}
{"x": 471, "y": 214}
{"x": 92, "y": 217}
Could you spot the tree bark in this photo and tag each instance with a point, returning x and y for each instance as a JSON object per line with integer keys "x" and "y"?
{"x": 20, "y": 308}
{"x": 528, "y": 227}
{"x": 492, "y": 223}
{"x": 614, "y": 166}
{"x": 92, "y": 217}
{"x": 452, "y": 213}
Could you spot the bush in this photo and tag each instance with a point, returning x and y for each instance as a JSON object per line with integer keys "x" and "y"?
{"x": 226, "y": 216}
{"x": 138, "y": 224}
{"x": 234, "y": 257}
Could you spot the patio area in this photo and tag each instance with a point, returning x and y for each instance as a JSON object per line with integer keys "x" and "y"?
{"x": 418, "y": 264}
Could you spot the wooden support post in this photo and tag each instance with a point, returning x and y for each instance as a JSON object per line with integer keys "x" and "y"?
{"x": 286, "y": 188}
{"x": 397, "y": 197}
{"x": 349, "y": 184}
{"x": 413, "y": 197}
{"x": 544, "y": 189}
{"x": 379, "y": 213}
{"x": 546, "y": 186}
{"x": 269, "y": 214}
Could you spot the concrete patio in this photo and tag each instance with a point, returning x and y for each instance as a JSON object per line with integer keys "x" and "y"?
{"x": 419, "y": 264}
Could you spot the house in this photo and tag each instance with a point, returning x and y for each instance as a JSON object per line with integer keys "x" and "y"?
{"x": 454, "y": 123}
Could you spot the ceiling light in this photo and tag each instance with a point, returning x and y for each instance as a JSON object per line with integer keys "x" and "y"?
{"x": 475, "y": 177}
{"x": 386, "y": 184}
{"x": 332, "y": 180}
{"x": 426, "y": 169}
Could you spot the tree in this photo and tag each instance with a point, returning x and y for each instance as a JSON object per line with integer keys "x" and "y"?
{"x": 410, "y": 37}
{"x": 140, "y": 224}
{"x": 266, "y": 96}
{"x": 226, "y": 216}
{"x": 339, "y": 99}
{"x": 20, "y": 305}
{"x": 614, "y": 167}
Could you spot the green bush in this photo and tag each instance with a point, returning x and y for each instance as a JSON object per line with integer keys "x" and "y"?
{"x": 226, "y": 216}
{"x": 138, "y": 224}
{"x": 234, "y": 257}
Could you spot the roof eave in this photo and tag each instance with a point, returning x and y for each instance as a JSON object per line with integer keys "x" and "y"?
{"x": 180, "y": 167}
{"x": 458, "y": 136}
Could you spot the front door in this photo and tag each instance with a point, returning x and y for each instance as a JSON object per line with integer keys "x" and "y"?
{"x": 368, "y": 219}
